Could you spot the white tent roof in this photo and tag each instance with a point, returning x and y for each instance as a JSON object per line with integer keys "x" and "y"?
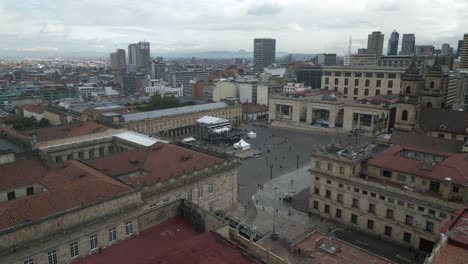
{"x": 251, "y": 133}
{"x": 242, "y": 143}
{"x": 211, "y": 120}
{"x": 138, "y": 138}
{"x": 189, "y": 139}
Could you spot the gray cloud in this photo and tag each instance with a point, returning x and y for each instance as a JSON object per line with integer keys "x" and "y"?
{"x": 264, "y": 9}
{"x": 185, "y": 25}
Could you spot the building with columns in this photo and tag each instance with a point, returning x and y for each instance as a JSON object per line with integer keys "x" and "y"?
{"x": 403, "y": 194}
{"x": 175, "y": 122}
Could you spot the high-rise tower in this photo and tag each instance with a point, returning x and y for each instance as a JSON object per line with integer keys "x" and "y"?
{"x": 375, "y": 43}
{"x": 392, "y": 48}
{"x": 264, "y": 53}
{"x": 464, "y": 53}
{"x": 407, "y": 44}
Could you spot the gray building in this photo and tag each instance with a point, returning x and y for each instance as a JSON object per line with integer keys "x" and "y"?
{"x": 264, "y": 53}
{"x": 139, "y": 56}
{"x": 446, "y": 49}
{"x": 375, "y": 43}
{"x": 118, "y": 62}
{"x": 134, "y": 84}
{"x": 157, "y": 70}
{"x": 464, "y": 53}
{"x": 407, "y": 44}
{"x": 326, "y": 59}
{"x": 184, "y": 78}
{"x": 459, "y": 48}
{"x": 311, "y": 76}
{"x": 424, "y": 50}
{"x": 392, "y": 48}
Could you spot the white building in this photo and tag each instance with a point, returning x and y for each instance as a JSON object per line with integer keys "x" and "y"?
{"x": 247, "y": 89}
{"x": 295, "y": 87}
{"x": 162, "y": 88}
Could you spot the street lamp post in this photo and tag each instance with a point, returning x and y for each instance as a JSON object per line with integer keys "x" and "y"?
{"x": 297, "y": 161}
{"x": 274, "y": 211}
{"x": 271, "y": 171}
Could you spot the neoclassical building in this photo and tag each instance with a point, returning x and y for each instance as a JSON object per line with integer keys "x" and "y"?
{"x": 61, "y": 212}
{"x": 403, "y": 194}
{"x": 174, "y": 122}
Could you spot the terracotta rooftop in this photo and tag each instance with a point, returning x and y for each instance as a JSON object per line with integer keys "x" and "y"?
{"x": 173, "y": 241}
{"x": 254, "y": 108}
{"x": 159, "y": 162}
{"x": 65, "y": 183}
{"x": 456, "y": 250}
{"x": 65, "y": 131}
{"x": 20, "y": 173}
{"x": 35, "y": 108}
{"x": 455, "y": 166}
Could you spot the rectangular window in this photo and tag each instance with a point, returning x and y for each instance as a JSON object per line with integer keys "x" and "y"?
{"x": 338, "y": 213}
{"x": 74, "y": 250}
{"x": 327, "y": 81}
{"x": 391, "y": 76}
{"x": 345, "y": 91}
{"x": 372, "y": 208}
{"x": 200, "y": 191}
{"x": 431, "y": 212}
{"x": 443, "y": 215}
{"x": 367, "y": 83}
{"x": 380, "y": 75}
{"x": 377, "y": 92}
{"x": 356, "y": 91}
{"x": 411, "y": 206}
{"x": 355, "y": 203}
{"x": 421, "y": 209}
{"x": 429, "y": 227}
{"x": 388, "y": 231}
{"x": 379, "y": 83}
{"x": 29, "y": 261}
{"x": 337, "y": 73}
{"x": 346, "y": 82}
{"x": 402, "y": 177}
{"x": 390, "y": 84}
{"x": 434, "y": 186}
{"x": 112, "y": 234}
{"x": 211, "y": 207}
{"x": 413, "y": 179}
{"x": 373, "y": 195}
{"x": 389, "y": 213}
{"x": 340, "y": 185}
{"x": 93, "y": 242}
{"x": 389, "y": 91}
{"x": 400, "y": 202}
{"x": 327, "y": 209}
{"x": 342, "y": 170}
{"x": 382, "y": 197}
{"x": 327, "y": 193}
{"x": 52, "y": 257}
{"x": 357, "y": 74}
{"x": 189, "y": 195}
{"x": 340, "y": 198}
{"x": 336, "y": 81}
{"x": 409, "y": 220}
{"x": 366, "y": 92}
{"x": 30, "y": 191}
{"x": 407, "y": 237}
{"x": 369, "y": 75}
{"x": 385, "y": 173}
{"x": 11, "y": 196}
{"x": 455, "y": 189}
{"x": 329, "y": 182}
{"x": 370, "y": 224}
{"x": 129, "y": 228}
{"x": 356, "y": 82}
{"x": 210, "y": 188}
{"x": 316, "y": 205}
{"x": 347, "y": 74}
{"x": 353, "y": 218}
{"x": 364, "y": 192}
{"x": 316, "y": 190}
{"x": 356, "y": 190}
{"x": 317, "y": 178}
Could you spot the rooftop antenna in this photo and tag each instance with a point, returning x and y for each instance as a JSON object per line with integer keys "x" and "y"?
{"x": 349, "y": 46}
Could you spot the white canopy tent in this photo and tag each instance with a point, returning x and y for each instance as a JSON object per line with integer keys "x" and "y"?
{"x": 252, "y": 134}
{"x": 187, "y": 140}
{"x": 241, "y": 145}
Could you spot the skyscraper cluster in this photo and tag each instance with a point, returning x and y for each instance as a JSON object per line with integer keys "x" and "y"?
{"x": 392, "y": 48}
{"x": 139, "y": 56}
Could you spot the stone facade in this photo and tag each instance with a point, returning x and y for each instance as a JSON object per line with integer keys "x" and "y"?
{"x": 360, "y": 196}
{"x": 211, "y": 189}
{"x": 183, "y": 124}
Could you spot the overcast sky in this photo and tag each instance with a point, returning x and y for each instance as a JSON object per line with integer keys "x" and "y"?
{"x": 299, "y": 26}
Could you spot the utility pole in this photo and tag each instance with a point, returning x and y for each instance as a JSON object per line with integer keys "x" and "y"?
{"x": 271, "y": 171}
{"x": 274, "y": 211}
{"x": 297, "y": 161}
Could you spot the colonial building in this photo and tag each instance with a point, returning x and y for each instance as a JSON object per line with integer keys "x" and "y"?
{"x": 60, "y": 212}
{"x": 403, "y": 194}
{"x": 174, "y": 122}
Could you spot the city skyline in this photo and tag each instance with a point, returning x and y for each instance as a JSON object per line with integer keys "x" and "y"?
{"x": 61, "y": 28}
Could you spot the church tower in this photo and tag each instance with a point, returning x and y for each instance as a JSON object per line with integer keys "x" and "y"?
{"x": 409, "y": 100}
{"x": 435, "y": 86}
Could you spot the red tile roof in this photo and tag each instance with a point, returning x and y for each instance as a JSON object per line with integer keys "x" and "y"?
{"x": 160, "y": 161}
{"x": 69, "y": 184}
{"x": 456, "y": 250}
{"x": 20, "y": 173}
{"x": 454, "y": 167}
{"x": 65, "y": 131}
{"x": 254, "y": 108}
{"x": 173, "y": 241}
{"x": 35, "y": 108}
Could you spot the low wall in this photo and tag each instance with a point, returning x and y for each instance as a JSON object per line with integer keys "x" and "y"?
{"x": 255, "y": 249}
